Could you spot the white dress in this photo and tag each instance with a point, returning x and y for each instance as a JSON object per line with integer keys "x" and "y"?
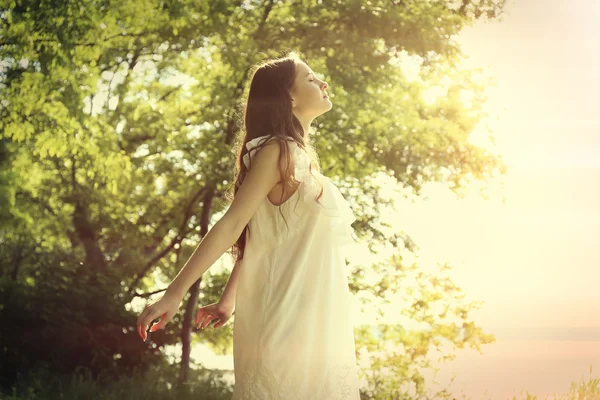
{"x": 293, "y": 335}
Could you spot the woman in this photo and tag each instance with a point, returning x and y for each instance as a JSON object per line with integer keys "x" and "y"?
{"x": 288, "y": 224}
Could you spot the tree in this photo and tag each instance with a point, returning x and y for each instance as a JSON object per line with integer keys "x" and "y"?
{"x": 119, "y": 121}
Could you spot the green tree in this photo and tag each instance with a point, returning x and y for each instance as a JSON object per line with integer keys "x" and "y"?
{"x": 118, "y": 122}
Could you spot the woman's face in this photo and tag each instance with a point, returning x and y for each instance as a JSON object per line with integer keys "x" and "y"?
{"x": 308, "y": 94}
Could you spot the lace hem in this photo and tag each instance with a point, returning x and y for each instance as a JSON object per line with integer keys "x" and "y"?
{"x": 331, "y": 204}
{"x": 341, "y": 383}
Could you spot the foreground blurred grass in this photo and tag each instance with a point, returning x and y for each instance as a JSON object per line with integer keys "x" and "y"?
{"x": 158, "y": 383}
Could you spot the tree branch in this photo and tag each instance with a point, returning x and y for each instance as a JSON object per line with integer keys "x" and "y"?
{"x": 176, "y": 240}
{"x": 136, "y": 294}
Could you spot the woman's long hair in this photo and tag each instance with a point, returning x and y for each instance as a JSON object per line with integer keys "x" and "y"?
{"x": 268, "y": 111}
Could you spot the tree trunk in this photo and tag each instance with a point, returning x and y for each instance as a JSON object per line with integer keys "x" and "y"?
{"x": 190, "y": 306}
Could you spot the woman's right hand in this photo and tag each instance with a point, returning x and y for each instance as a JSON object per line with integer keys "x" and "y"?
{"x": 214, "y": 311}
{"x": 165, "y": 307}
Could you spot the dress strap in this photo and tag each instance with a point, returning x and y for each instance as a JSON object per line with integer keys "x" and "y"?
{"x": 300, "y": 157}
{"x": 251, "y": 147}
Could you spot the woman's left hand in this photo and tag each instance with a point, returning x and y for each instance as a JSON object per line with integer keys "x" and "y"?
{"x": 166, "y": 307}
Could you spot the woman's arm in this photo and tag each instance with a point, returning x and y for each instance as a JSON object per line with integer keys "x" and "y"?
{"x": 212, "y": 246}
{"x": 259, "y": 180}
{"x": 228, "y": 296}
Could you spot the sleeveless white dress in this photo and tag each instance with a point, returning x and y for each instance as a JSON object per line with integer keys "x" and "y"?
{"x": 293, "y": 335}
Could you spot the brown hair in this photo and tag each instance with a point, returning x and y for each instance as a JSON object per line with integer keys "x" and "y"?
{"x": 268, "y": 111}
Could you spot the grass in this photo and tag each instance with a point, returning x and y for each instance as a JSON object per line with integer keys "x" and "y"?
{"x": 158, "y": 383}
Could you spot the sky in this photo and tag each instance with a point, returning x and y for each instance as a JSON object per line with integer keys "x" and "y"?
{"x": 534, "y": 258}
{"x": 530, "y": 252}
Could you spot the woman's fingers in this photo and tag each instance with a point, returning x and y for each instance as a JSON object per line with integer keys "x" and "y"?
{"x": 208, "y": 321}
{"x": 220, "y": 322}
{"x": 203, "y": 318}
{"x": 166, "y": 317}
{"x": 210, "y": 314}
{"x": 199, "y": 315}
{"x": 143, "y": 321}
{"x": 150, "y": 314}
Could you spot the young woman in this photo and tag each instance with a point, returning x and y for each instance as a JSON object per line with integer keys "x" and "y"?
{"x": 293, "y": 336}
